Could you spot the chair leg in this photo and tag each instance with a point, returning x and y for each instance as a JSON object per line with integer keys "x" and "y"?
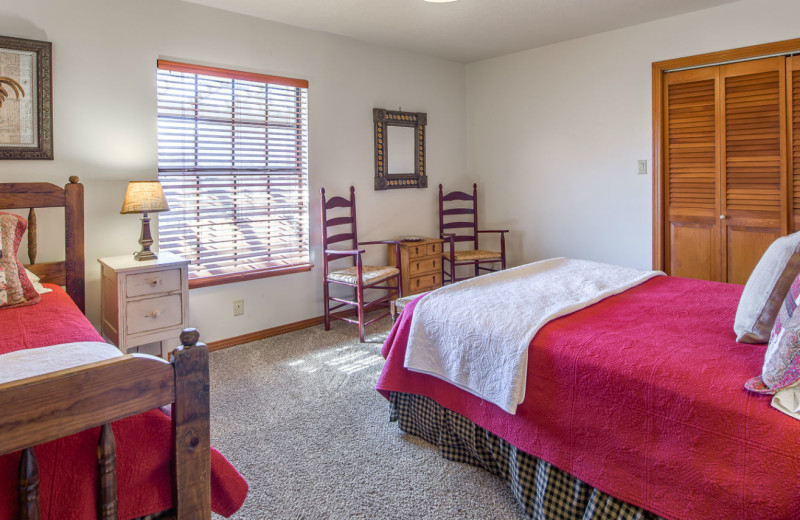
{"x": 503, "y": 251}
{"x": 326, "y": 304}
{"x": 477, "y": 270}
{"x": 360, "y": 300}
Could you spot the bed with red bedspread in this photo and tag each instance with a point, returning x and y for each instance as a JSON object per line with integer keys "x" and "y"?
{"x": 641, "y": 396}
{"x": 105, "y": 449}
{"x": 68, "y": 465}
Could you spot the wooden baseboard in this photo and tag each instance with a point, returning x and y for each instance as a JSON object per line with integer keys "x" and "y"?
{"x": 268, "y": 333}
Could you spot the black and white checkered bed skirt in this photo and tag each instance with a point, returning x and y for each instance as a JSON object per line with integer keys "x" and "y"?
{"x": 544, "y": 491}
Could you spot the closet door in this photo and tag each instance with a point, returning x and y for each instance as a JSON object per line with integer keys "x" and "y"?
{"x": 691, "y": 169}
{"x": 754, "y": 209}
{"x": 793, "y": 108}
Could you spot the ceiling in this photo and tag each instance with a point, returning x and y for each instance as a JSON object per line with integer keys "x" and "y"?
{"x": 465, "y": 30}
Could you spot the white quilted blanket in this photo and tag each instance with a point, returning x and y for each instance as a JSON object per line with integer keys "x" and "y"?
{"x": 475, "y": 334}
{"x": 36, "y": 361}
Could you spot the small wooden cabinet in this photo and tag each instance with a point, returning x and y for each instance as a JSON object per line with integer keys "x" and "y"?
{"x": 144, "y": 301}
{"x": 420, "y": 263}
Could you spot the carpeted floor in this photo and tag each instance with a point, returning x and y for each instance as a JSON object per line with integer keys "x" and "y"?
{"x": 299, "y": 416}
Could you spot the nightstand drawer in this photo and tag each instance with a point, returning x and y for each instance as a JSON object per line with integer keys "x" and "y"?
{"x": 434, "y": 248}
{"x": 417, "y": 251}
{"x": 157, "y": 282}
{"x": 154, "y": 313}
{"x": 427, "y": 265}
{"x": 425, "y": 282}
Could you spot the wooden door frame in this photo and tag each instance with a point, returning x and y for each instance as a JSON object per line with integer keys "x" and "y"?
{"x": 659, "y": 69}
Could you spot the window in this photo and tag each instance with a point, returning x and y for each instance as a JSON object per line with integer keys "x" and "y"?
{"x": 233, "y": 160}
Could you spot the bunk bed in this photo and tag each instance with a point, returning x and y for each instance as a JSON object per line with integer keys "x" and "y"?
{"x": 90, "y": 439}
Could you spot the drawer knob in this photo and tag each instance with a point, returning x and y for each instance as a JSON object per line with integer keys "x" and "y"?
{"x": 153, "y": 314}
{"x": 155, "y": 281}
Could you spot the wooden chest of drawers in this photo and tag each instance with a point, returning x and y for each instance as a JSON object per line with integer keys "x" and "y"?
{"x": 421, "y": 264}
{"x": 144, "y": 301}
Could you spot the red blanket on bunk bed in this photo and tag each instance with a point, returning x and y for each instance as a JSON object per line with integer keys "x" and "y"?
{"x": 641, "y": 396}
{"x": 143, "y": 441}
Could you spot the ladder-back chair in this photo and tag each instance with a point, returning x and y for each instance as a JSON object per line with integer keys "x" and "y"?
{"x": 458, "y": 222}
{"x": 358, "y": 276}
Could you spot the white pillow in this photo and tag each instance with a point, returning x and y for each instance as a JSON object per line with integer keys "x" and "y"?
{"x": 41, "y": 289}
{"x": 766, "y": 289}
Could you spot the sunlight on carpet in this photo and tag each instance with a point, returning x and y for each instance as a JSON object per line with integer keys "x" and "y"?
{"x": 299, "y": 417}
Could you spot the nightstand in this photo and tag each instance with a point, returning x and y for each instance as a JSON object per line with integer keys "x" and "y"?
{"x": 144, "y": 301}
{"x": 421, "y": 264}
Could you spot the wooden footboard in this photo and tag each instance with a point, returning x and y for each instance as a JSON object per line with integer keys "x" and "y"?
{"x": 47, "y": 407}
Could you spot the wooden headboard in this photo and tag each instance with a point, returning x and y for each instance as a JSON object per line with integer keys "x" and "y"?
{"x": 31, "y": 195}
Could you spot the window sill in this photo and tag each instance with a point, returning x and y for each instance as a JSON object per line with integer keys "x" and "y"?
{"x": 208, "y": 281}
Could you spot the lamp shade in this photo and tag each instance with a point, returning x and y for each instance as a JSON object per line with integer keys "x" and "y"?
{"x": 144, "y": 197}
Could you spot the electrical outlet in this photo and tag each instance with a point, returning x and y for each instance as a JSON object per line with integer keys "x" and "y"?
{"x": 643, "y": 167}
{"x": 238, "y": 307}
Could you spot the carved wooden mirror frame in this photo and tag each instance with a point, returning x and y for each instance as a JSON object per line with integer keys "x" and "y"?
{"x": 384, "y": 119}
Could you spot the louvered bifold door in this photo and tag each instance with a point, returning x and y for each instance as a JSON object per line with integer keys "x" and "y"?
{"x": 793, "y": 129}
{"x": 691, "y": 167}
{"x": 754, "y": 205}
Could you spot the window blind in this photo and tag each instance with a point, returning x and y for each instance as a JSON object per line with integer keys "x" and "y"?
{"x": 233, "y": 161}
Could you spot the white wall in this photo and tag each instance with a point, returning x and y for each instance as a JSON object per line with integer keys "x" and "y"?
{"x": 551, "y": 135}
{"x": 554, "y": 133}
{"x": 104, "y": 103}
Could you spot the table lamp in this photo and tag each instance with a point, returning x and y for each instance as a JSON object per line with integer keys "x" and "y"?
{"x": 144, "y": 197}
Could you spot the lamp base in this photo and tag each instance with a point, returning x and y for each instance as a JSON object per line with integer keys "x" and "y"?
{"x": 144, "y": 255}
{"x": 146, "y": 240}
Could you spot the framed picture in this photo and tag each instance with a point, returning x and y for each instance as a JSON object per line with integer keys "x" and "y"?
{"x": 26, "y": 107}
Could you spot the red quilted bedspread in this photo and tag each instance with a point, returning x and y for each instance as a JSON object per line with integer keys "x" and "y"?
{"x": 68, "y": 466}
{"x": 52, "y": 321}
{"x": 641, "y": 396}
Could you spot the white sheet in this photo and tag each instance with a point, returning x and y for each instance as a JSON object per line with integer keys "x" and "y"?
{"x": 36, "y": 361}
{"x": 475, "y": 334}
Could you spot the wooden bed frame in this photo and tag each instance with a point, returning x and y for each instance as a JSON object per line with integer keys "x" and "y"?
{"x": 31, "y": 195}
{"x": 47, "y": 407}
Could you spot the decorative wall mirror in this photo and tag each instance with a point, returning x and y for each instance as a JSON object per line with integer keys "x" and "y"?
{"x": 399, "y": 149}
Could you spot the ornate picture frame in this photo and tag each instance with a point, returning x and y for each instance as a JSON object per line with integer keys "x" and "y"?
{"x": 26, "y": 99}
{"x": 385, "y": 178}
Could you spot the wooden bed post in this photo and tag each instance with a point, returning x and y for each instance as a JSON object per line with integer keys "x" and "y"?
{"x": 190, "y": 429}
{"x": 28, "y": 486}
{"x": 73, "y": 215}
{"x": 107, "y": 503}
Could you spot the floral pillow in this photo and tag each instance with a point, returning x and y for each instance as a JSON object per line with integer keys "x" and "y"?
{"x": 15, "y": 287}
{"x": 782, "y": 360}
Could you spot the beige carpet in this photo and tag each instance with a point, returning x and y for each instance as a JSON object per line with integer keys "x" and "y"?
{"x": 300, "y": 418}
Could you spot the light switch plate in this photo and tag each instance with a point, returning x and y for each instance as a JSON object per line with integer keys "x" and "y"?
{"x": 643, "y": 167}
